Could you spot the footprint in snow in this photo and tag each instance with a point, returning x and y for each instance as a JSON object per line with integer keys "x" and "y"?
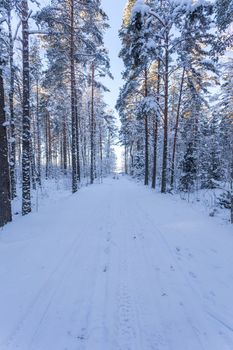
{"x": 192, "y": 274}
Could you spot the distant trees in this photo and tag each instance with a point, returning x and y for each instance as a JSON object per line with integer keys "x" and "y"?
{"x": 170, "y": 47}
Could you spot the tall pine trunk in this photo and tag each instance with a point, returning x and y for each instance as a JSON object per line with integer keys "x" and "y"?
{"x": 166, "y": 97}
{"x": 92, "y": 175}
{"x": 77, "y": 136}
{"x": 5, "y": 203}
{"x": 232, "y": 206}
{"x": 64, "y": 145}
{"x": 231, "y": 181}
{"x": 48, "y": 146}
{"x": 101, "y": 153}
{"x": 146, "y": 181}
{"x": 73, "y": 101}
{"x": 11, "y": 107}
{"x": 176, "y": 130}
{"x": 26, "y": 190}
{"x": 126, "y": 158}
{"x": 155, "y": 129}
{"x": 38, "y": 136}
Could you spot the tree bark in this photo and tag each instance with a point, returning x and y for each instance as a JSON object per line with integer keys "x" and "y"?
{"x": 38, "y": 136}
{"x": 64, "y": 145}
{"x": 165, "y": 139}
{"x": 155, "y": 127}
{"x": 92, "y": 124}
{"x": 146, "y": 182}
{"x": 231, "y": 181}
{"x": 5, "y": 203}
{"x": 176, "y": 130}
{"x": 77, "y": 136}
{"x": 11, "y": 106}
{"x": 26, "y": 185}
{"x": 232, "y": 207}
{"x": 101, "y": 154}
{"x": 73, "y": 101}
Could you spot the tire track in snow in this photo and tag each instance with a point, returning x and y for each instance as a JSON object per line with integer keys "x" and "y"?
{"x": 46, "y": 294}
{"x": 44, "y": 290}
{"x": 127, "y": 327}
{"x": 96, "y": 325}
{"x": 83, "y": 282}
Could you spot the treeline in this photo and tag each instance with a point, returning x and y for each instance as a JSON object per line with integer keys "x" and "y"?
{"x": 53, "y": 118}
{"x": 176, "y": 105}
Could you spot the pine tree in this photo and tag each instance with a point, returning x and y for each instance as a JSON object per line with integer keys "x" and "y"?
{"x": 26, "y": 137}
{"x": 11, "y": 43}
{"x": 226, "y": 110}
{"x": 5, "y": 204}
{"x": 189, "y": 169}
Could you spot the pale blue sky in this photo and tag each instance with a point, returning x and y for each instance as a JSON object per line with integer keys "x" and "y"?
{"x": 114, "y": 10}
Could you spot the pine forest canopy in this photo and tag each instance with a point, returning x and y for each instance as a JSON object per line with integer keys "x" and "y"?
{"x": 175, "y": 106}
{"x": 176, "y": 119}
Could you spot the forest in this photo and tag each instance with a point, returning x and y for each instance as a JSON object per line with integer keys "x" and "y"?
{"x": 54, "y": 121}
{"x": 175, "y": 106}
{"x": 116, "y": 174}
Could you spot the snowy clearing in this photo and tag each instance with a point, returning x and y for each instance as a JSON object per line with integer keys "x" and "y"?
{"x": 116, "y": 267}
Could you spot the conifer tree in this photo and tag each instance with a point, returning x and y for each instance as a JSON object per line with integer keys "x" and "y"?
{"x": 5, "y": 204}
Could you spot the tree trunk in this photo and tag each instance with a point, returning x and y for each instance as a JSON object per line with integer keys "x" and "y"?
{"x": 126, "y": 159}
{"x": 26, "y": 190}
{"x": 11, "y": 106}
{"x": 165, "y": 139}
{"x": 232, "y": 207}
{"x": 92, "y": 124}
{"x": 146, "y": 135}
{"x": 155, "y": 127}
{"x": 176, "y": 130}
{"x": 5, "y": 204}
{"x": 231, "y": 182}
{"x": 77, "y": 137}
{"x": 48, "y": 146}
{"x": 73, "y": 101}
{"x": 38, "y": 136}
{"x": 101, "y": 154}
{"x": 33, "y": 165}
{"x": 64, "y": 145}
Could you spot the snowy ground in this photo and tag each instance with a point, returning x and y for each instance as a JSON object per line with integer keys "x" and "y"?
{"x": 116, "y": 267}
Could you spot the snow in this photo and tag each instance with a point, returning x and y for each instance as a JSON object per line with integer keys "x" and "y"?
{"x": 191, "y": 5}
{"x": 11, "y": 140}
{"x": 140, "y": 7}
{"x": 6, "y": 124}
{"x": 116, "y": 267}
{"x": 149, "y": 104}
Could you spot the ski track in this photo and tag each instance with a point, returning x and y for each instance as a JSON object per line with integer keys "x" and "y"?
{"x": 121, "y": 282}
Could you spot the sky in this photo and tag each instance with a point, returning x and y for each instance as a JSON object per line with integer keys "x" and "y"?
{"x": 114, "y": 10}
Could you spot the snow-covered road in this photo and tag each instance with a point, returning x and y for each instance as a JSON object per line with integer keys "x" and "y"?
{"x": 116, "y": 267}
